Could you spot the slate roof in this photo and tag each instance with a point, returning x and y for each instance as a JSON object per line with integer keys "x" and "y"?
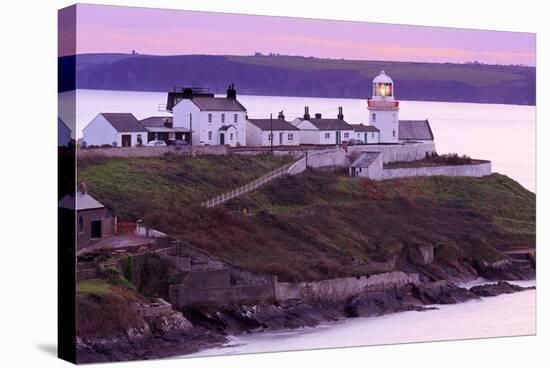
{"x": 364, "y": 128}
{"x": 278, "y": 124}
{"x": 84, "y": 201}
{"x": 156, "y": 121}
{"x": 217, "y": 104}
{"x": 415, "y": 130}
{"x": 365, "y": 159}
{"x": 329, "y": 124}
{"x": 124, "y": 122}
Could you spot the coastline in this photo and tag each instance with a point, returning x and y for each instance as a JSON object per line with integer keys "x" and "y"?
{"x": 214, "y": 327}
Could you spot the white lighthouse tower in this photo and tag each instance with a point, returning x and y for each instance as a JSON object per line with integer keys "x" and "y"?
{"x": 384, "y": 109}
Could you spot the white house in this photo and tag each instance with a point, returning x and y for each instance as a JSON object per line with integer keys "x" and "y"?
{"x": 260, "y": 132}
{"x": 213, "y": 120}
{"x": 323, "y": 131}
{"x": 64, "y": 134}
{"x": 384, "y": 109}
{"x": 368, "y": 134}
{"x": 116, "y": 129}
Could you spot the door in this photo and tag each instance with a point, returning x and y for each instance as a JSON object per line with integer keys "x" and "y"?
{"x": 96, "y": 229}
{"x": 126, "y": 140}
{"x": 222, "y": 139}
{"x": 366, "y": 137}
{"x": 338, "y": 138}
{"x": 280, "y": 138}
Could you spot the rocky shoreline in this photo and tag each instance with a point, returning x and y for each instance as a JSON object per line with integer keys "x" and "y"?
{"x": 203, "y": 327}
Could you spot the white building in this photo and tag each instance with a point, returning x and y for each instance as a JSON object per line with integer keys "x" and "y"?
{"x": 213, "y": 120}
{"x": 64, "y": 134}
{"x": 368, "y": 134}
{"x": 261, "y": 132}
{"x": 384, "y": 109}
{"x": 323, "y": 131}
{"x": 116, "y": 129}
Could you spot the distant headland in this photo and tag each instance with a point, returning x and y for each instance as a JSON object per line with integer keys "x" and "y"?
{"x": 283, "y": 75}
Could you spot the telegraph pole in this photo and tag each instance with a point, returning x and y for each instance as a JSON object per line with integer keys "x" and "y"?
{"x": 271, "y": 133}
{"x": 190, "y": 134}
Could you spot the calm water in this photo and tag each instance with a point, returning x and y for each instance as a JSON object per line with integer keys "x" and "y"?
{"x": 504, "y": 134}
{"x": 504, "y": 315}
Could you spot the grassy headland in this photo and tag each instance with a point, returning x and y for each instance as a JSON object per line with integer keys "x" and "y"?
{"x": 318, "y": 225}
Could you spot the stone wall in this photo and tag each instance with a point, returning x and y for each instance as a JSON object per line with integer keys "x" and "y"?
{"x": 475, "y": 170}
{"x": 207, "y": 279}
{"x": 124, "y": 152}
{"x": 397, "y": 152}
{"x": 342, "y": 288}
{"x": 181, "y": 295}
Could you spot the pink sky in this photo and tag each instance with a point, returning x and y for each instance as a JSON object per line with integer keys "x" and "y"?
{"x": 174, "y": 32}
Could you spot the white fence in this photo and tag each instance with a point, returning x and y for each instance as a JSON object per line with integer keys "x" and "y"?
{"x": 212, "y": 202}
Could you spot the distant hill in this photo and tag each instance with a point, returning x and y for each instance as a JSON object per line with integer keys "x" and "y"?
{"x": 300, "y": 76}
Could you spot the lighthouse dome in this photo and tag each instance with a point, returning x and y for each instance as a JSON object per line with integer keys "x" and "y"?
{"x": 382, "y": 78}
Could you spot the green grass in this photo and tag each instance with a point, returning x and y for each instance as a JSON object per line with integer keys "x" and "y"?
{"x": 138, "y": 186}
{"x": 93, "y": 286}
{"x": 319, "y": 225}
{"x": 478, "y": 77}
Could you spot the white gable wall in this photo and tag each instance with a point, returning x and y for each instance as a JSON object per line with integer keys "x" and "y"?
{"x": 99, "y": 131}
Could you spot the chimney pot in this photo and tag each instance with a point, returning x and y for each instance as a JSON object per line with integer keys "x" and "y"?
{"x": 340, "y": 113}
{"x": 318, "y": 115}
{"x": 306, "y": 112}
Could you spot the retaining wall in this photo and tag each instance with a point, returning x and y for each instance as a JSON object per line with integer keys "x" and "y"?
{"x": 181, "y": 295}
{"x": 342, "y": 288}
{"x": 124, "y": 152}
{"x": 475, "y": 170}
{"x": 397, "y": 152}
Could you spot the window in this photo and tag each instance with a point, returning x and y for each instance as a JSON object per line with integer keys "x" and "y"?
{"x": 80, "y": 225}
{"x": 327, "y": 135}
{"x": 290, "y": 136}
{"x": 394, "y": 133}
{"x": 372, "y": 135}
{"x": 269, "y": 136}
{"x": 346, "y": 135}
{"x": 373, "y": 116}
{"x": 209, "y": 136}
{"x": 235, "y": 118}
{"x": 231, "y": 136}
{"x": 209, "y": 118}
{"x": 223, "y": 118}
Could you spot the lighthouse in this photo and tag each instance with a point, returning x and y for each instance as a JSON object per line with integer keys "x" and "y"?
{"x": 384, "y": 109}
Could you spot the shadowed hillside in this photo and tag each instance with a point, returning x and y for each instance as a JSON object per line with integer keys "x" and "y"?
{"x": 323, "y": 225}
{"x": 308, "y": 77}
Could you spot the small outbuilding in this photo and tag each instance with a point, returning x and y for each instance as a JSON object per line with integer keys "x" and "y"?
{"x": 367, "y": 165}
{"x": 93, "y": 220}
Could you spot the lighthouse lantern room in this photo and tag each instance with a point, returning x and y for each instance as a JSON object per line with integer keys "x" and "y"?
{"x": 384, "y": 109}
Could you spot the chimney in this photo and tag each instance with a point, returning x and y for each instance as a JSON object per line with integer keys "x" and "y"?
{"x": 306, "y": 112}
{"x": 82, "y": 188}
{"x": 281, "y": 116}
{"x": 232, "y": 92}
{"x": 318, "y": 115}
{"x": 188, "y": 93}
{"x": 340, "y": 113}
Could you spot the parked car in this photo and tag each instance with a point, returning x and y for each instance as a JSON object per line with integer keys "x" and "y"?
{"x": 156, "y": 144}
{"x": 178, "y": 142}
{"x": 355, "y": 142}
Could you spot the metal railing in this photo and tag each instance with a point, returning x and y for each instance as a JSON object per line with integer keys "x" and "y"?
{"x": 212, "y": 202}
